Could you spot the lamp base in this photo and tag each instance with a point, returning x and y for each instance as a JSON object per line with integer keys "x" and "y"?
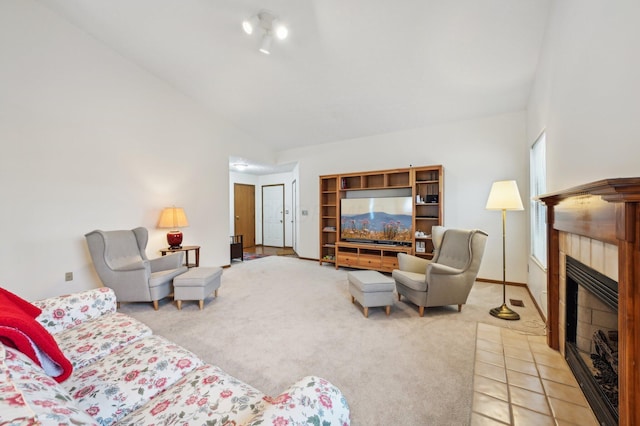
{"x": 503, "y": 312}
{"x": 174, "y": 238}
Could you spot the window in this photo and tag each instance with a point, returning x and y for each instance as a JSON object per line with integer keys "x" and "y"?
{"x": 538, "y": 181}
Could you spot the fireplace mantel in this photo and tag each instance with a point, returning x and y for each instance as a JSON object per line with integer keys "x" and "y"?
{"x": 609, "y": 211}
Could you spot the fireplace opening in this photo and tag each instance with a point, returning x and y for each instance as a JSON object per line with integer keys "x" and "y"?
{"x": 591, "y": 346}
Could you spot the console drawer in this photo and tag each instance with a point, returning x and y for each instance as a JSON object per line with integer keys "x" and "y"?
{"x": 347, "y": 259}
{"x": 369, "y": 261}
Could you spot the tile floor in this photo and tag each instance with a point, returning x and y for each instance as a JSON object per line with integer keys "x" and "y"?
{"x": 519, "y": 381}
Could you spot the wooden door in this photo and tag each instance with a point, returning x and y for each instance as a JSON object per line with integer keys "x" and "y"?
{"x": 244, "y": 212}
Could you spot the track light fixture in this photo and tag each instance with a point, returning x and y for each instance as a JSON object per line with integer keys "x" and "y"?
{"x": 271, "y": 27}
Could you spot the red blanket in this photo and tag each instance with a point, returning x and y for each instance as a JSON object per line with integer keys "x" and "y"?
{"x": 20, "y": 330}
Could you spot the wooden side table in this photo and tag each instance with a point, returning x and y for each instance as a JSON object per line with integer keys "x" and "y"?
{"x": 186, "y": 250}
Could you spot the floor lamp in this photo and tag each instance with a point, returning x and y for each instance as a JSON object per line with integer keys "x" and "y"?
{"x": 504, "y": 196}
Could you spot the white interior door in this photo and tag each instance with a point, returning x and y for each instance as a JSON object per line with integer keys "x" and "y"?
{"x": 273, "y": 215}
{"x": 294, "y": 217}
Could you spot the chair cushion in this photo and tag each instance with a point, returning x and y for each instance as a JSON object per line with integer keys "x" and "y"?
{"x": 92, "y": 340}
{"x": 410, "y": 279}
{"x": 116, "y": 385}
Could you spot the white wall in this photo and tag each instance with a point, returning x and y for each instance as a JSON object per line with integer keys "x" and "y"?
{"x": 587, "y": 97}
{"x": 89, "y": 141}
{"x": 474, "y": 154}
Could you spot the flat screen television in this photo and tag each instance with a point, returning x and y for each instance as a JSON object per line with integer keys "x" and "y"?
{"x": 377, "y": 220}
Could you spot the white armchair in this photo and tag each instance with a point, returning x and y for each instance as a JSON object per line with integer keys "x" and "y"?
{"x": 121, "y": 263}
{"x": 447, "y": 278}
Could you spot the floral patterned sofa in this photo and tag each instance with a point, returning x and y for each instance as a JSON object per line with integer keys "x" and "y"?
{"x": 125, "y": 375}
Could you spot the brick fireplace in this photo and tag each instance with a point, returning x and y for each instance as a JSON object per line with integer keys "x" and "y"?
{"x": 598, "y": 225}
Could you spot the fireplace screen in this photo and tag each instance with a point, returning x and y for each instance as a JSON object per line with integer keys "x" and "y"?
{"x": 591, "y": 345}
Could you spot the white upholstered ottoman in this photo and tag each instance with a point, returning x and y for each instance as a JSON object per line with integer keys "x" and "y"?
{"x": 196, "y": 284}
{"x": 371, "y": 288}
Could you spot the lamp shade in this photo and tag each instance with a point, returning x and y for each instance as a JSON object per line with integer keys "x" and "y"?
{"x": 504, "y": 195}
{"x": 173, "y": 218}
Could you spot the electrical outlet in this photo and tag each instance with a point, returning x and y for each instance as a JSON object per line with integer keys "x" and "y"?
{"x": 68, "y": 276}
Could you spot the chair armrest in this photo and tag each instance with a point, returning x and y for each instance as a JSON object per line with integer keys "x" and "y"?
{"x": 164, "y": 263}
{"x": 64, "y": 312}
{"x": 143, "y": 264}
{"x": 409, "y": 263}
{"x": 440, "y": 269}
{"x": 311, "y": 400}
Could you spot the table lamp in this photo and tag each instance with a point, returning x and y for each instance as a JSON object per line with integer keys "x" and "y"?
{"x": 504, "y": 196}
{"x": 173, "y": 218}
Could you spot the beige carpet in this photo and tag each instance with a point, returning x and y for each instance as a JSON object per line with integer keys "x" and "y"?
{"x": 277, "y": 319}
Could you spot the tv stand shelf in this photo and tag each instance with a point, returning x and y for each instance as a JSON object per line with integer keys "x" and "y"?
{"x": 424, "y": 184}
{"x": 381, "y": 257}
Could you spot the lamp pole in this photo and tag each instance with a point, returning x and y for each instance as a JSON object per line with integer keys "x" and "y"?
{"x": 504, "y": 195}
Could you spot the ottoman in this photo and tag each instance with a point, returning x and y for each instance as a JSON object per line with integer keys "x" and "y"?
{"x": 371, "y": 288}
{"x": 196, "y": 284}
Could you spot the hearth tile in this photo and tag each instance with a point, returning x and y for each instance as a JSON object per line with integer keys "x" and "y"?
{"x": 519, "y": 353}
{"x": 573, "y": 413}
{"x": 489, "y": 346}
{"x": 524, "y": 417}
{"x": 611, "y": 261}
{"x": 491, "y": 371}
{"x": 513, "y": 334}
{"x": 551, "y": 359}
{"x": 564, "y": 392}
{"x": 558, "y": 375}
{"x": 531, "y": 400}
{"x": 597, "y": 255}
{"x": 490, "y": 357}
{"x": 574, "y": 246}
{"x": 541, "y": 348}
{"x": 521, "y": 366}
{"x": 491, "y": 387}
{"x": 489, "y": 332}
{"x": 585, "y": 250}
{"x": 515, "y": 342}
{"x": 491, "y": 407}
{"x": 480, "y": 420}
{"x": 526, "y": 381}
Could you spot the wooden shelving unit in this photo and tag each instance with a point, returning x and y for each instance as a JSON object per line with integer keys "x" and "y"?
{"x": 428, "y": 187}
{"x": 329, "y": 217}
{"x": 423, "y": 183}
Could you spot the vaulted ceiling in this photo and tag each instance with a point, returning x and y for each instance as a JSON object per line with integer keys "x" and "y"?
{"x": 349, "y": 68}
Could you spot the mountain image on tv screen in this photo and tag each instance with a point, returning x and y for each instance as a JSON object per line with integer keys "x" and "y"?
{"x": 376, "y": 219}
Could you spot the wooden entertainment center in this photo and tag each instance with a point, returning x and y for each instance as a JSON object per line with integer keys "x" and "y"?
{"x": 424, "y": 185}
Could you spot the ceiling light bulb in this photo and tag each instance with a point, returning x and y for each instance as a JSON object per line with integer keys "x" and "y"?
{"x": 240, "y": 166}
{"x": 280, "y": 29}
{"x": 265, "y": 46}
{"x": 249, "y": 24}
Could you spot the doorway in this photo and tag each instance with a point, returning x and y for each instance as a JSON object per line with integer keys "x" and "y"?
{"x": 244, "y": 212}
{"x": 273, "y": 215}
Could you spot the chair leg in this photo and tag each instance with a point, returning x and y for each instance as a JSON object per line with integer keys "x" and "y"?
{"x": 179, "y": 302}
{"x": 353, "y": 299}
{"x": 201, "y": 303}
{"x": 421, "y": 310}
{"x": 215, "y": 293}
{"x": 388, "y": 309}
{"x": 366, "y": 312}
{"x": 399, "y": 297}
{"x": 459, "y": 308}
{"x": 117, "y": 305}
{"x": 155, "y": 305}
